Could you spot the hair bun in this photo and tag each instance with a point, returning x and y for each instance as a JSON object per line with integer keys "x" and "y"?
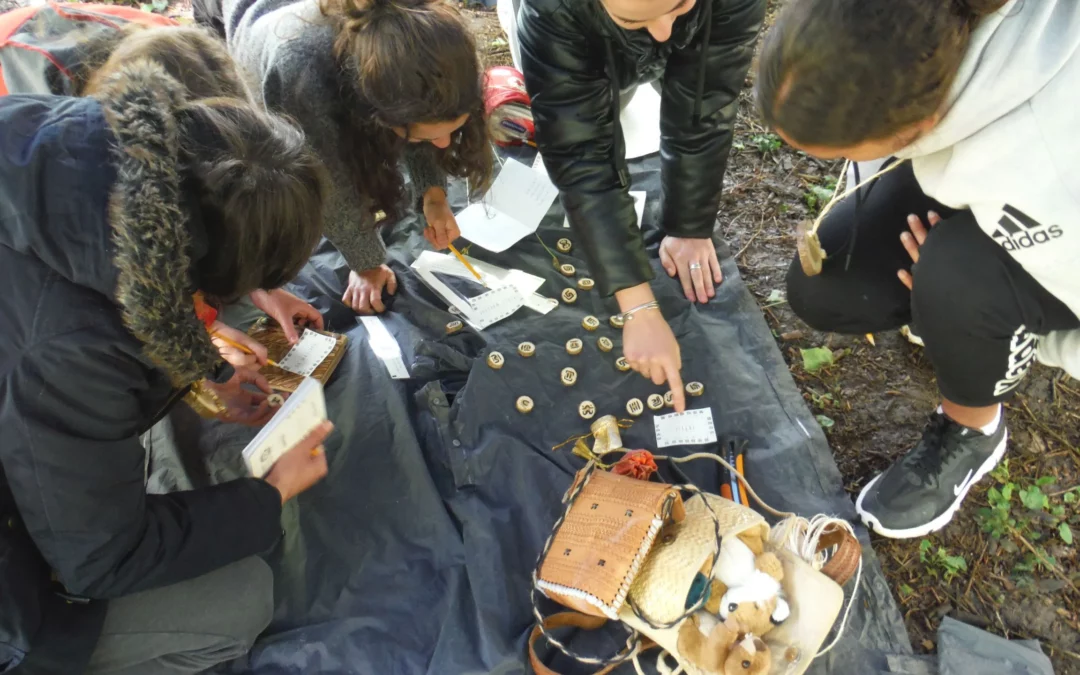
{"x": 974, "y": 9}
{"x": 359, "y": 14}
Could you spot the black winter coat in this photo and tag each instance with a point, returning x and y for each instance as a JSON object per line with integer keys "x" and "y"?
{"x": 577, "y": 61}
{"x": 97, "y": 338}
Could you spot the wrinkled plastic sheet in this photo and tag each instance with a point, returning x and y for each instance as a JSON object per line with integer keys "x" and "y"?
{"x": 414, "y": 556}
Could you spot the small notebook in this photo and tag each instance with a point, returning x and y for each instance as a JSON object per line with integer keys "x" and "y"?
{"x": 304, "y": 410}
{"x": 315, "y": 359}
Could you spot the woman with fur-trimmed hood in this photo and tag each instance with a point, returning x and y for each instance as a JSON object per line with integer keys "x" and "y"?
{"x": 115, "y": 210}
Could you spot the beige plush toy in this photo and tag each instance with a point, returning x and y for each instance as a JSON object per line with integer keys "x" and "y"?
{"x": 713, "y": 647}
{"x": 746, "y": 591}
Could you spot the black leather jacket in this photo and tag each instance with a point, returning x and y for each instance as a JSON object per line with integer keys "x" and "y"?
{"x": 577, "y": 61}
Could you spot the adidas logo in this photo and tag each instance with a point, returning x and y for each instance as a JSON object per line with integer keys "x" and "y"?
{"x": 1016, "y": 230}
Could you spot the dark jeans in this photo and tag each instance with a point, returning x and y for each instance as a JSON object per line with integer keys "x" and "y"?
{"x": 978, "y": 311}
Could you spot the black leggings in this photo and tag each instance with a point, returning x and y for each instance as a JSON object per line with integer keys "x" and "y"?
{"x": 978, "y": 311}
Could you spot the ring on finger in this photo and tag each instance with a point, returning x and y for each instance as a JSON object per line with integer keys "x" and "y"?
{"x": 695, "y": 266}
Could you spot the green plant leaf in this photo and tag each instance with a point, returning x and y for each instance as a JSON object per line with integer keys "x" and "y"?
{"x": 906, "y": 590}
{"x": 1058, "y": 511}
{"x": 823, "y": 194}
{"x": 924, "y": 548}
{"x": 1007, "y": 491}
{"x": 825, "y": 421}
{"x": 1066, "y": 533}
{"x": 1034, "y": 499}
{"x": 1045, "y": 480}
{"x": 160, "y": 5}
{"x": 816, "y": 358}
{"x": 956, "y": 562}
{"x": 775, "y": 296}
{"x": 1069, "y": 497}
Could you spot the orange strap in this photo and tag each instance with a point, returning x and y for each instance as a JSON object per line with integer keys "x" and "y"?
{"x": 575, "y": 620}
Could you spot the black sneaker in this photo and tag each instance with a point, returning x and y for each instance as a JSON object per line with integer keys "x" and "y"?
{"x": 920, "y": 493}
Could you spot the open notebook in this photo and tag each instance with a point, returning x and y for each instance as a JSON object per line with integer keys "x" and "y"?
{"x": 304, "y": 410}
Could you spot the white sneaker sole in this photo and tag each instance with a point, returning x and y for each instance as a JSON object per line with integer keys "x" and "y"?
{"x": 941, "y": 521}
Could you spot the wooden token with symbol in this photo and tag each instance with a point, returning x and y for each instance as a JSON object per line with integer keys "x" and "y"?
{"x": 587, "y": 410}
{"x": 496, "y": 360}
{"x": 454, "y": 327}
{"x": 569, "y": 296}
{"x": 526, "y": 349}
{"x": 524, "y": 404}
{"x": 617, "y": 321}
{"x": 655, "y": 402}
{"x": 585, "y": 283}
{"x": 605, "y": 344}
{"x": 567, "y": 270}
{"x": 568, "y": 377}
{"x": 622, "y": 364}
{"x": 590, "y": 323}
{"x": 275, "y": 400}
{"x": 564, "y": 245}
{"x": 695, "y": 388}
{"x": 669, "y": 399}
{"x": 635, "y": 407}
{"x": 574, "y": 346}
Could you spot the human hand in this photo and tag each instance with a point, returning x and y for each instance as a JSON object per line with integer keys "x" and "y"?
{"x": 288, "y": 311}
{"x": 442, "y": 229}
{"x": 913, "y": 240}
{"x": 364, "y": 292}
{"x": 303, "y": 466}
{"x": 695, "y": 262}
{"x": 244, "y": 406}
{"x": 649, "y": 345}
{"x": 252, "y": 359}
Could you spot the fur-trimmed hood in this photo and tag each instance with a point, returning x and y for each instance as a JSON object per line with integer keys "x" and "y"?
{"x": 92, "y": 188}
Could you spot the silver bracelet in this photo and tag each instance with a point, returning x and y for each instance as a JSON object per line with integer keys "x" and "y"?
{"x": 629, "y": 314}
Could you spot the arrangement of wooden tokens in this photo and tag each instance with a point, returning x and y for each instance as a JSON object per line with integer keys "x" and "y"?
{"x": 568, "y": 376}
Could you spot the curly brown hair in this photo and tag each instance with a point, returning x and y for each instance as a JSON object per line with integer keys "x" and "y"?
{"x": 410, "y": 61}
{"x": 198, "y": 60}
{"x": 836, "y": 73}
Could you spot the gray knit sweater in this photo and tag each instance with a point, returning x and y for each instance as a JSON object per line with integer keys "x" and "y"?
{"x": 286, "y": 49}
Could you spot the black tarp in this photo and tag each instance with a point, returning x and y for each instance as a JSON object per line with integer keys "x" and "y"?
{"x": 414, "y": 555}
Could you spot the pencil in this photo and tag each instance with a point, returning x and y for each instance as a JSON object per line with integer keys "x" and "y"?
{"x": 465, "y": 262}
{"x": 740, "y": 466}
{"x": 239, "y": 346}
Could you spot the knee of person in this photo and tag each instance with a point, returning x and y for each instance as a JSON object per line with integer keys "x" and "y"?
{"x": 255, "y": 601}
{"x": 938, "y": 278}
{"x": 803, "y": 299}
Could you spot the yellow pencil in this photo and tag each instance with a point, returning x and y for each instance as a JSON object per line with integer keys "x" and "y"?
{"x": 465, "y": 262}
{"x": 239, "y": 346}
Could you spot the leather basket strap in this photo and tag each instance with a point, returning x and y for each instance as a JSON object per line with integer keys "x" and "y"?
{"x": 573, "y": 620}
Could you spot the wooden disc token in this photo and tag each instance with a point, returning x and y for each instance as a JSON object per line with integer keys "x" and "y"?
{"x": 616, "y": 321}
{"x": 569, "y": 296}
{"x": 635, "y": 407}
{"x": 567, "y": 270}
{"x": 524, "y": 404}
{"x": 587, "y": 410}
{"x": 496, "y": 360}
{"x": 526, "y": 349}
{"x": 275, "y": 400}
{"x": 695, "y": 389}
{"x": 669, "y": 399}
{"x": 568, "y": 376}
{"x": 655, "y": 402}
{"x": 622, "y": 364}
{"x": 454, "y": 327}
{"x": 585, "y": 283}
{"x": 564, "y": 245}
{"x": 605, "y": 344}
{"x": 574, "y": 346}
{"x": 590, "y": 323}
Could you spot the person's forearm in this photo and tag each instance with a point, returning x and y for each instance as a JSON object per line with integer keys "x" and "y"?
{"x": 635, "y": 296}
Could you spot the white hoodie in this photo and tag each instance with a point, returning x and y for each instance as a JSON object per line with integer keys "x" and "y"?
{"x": 1008, "y": 148}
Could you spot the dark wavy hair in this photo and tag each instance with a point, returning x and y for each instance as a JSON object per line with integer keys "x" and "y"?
{"x": 836, "y": 73}
{"x": 409, "y": 61}
{"x": 259, "y": 191}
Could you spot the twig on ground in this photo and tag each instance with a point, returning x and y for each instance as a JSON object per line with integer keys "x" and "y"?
{"x": 1049, "y": 565}
{"x": 761, "y": 226}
